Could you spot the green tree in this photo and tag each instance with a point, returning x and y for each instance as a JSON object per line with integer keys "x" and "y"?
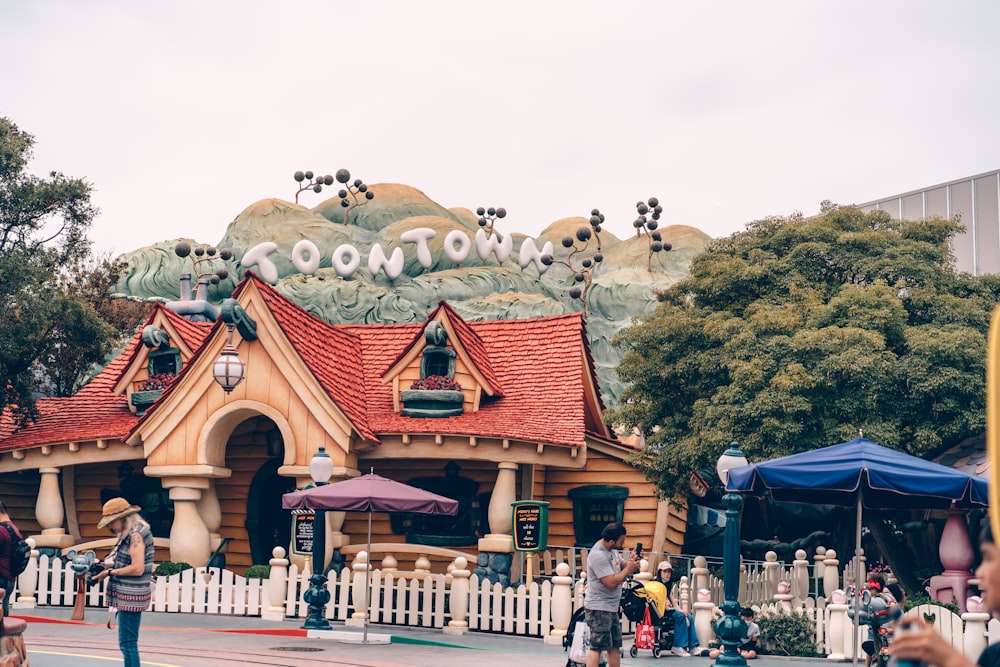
{"x": 49, "y": 336}
{"x": 797, "y": 333}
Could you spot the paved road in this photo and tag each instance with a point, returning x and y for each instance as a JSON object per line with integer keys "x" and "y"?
{"x": 189, "y": 640}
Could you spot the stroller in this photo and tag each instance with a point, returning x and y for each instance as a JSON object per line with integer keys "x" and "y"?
{"x": 636, "y": 598}
{"x": 645, "y": 604}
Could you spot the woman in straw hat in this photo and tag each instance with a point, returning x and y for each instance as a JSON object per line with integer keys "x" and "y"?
{"x": 129, "y": 569}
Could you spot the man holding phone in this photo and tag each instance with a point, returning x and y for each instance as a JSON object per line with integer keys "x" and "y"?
{"x": 607, "y": 570}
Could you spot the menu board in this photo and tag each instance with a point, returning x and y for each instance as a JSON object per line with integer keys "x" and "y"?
{"x": 531, "y": 525}
{"x": 302, "y": 531}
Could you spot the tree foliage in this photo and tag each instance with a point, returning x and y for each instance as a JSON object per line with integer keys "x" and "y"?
{"x": 797, "y": 333}
{"x": 50, "y": 332}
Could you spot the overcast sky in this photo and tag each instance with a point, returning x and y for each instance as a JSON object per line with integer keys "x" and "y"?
{"x": 183, "y": 113}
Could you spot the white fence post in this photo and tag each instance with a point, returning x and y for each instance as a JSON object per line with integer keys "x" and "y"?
{"x": 562, "y": 604}
{"x": 27, "y": 581}
{"x": 974, "y": 640}
{"x": 836, "y": 619}
{"x": 831, "y": 573}
{"x": 459, "y": 598}
{"x": 800, "y": 575}
{"x": 277, "y": 584}
{"x": 703, "y": 610}
{"x": 359, "y": 590}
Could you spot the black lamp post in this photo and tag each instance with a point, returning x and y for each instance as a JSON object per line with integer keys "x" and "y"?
{"x": 730, "y": 629}
{"x": 317, "y": 596}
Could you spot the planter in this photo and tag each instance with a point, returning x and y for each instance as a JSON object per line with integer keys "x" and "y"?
{"x": 431, "y": 402}
{"x": 141, "y": 400}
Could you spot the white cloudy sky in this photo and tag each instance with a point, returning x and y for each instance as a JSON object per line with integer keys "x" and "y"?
{"x": 182, "y": 113}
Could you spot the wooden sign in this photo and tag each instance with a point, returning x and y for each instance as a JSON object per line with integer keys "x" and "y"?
{"x": 531, "y": 525}
{"x": 302, "y": 531}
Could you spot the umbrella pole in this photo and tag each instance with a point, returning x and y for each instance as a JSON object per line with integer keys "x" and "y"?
{"x": 857, "y": 577}
{"x": 368, "y": 578}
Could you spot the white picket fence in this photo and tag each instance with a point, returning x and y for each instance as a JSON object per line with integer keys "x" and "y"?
{"x": 541, "y": 609}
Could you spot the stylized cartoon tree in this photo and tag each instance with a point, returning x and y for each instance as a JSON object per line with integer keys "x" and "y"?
{"x": 203, "y": 259}
{"x": 581, "y": 278}
{"x": 311, "y": 182}
{"x": 647, "y": 225}
{"x": 489, "y": 216}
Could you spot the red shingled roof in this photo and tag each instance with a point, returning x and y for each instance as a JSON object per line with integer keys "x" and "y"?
{"x": 537, "y": 363}
{"x": 94, "y": 412}
{"x": 332, "y": 354}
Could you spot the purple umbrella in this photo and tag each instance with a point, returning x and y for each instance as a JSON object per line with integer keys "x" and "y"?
{"x": 369, "y": 493}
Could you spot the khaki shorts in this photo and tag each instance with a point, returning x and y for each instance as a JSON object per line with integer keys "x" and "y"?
{"x": 605, "y": 630}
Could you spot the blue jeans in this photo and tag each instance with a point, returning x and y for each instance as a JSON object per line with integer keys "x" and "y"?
{"x": 128, "y": 636}
{"x": 8, "y": 586}
{"x": 684, "y": 632}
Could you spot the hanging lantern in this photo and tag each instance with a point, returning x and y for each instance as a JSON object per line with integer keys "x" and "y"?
{"x": 229, "y": 369}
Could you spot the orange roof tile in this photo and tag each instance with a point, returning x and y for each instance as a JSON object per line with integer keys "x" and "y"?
{"x": 332, "y": 354}
{"x": 536, "y": 361}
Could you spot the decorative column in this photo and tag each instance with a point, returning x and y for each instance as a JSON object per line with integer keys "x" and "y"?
{"x": 699, "y": 574}
{"x": 955, "y": 552}
{"x": 562, "y": 605}
{"x": 49, "y": 511}
{"x": 211, "y": 514}
{"x": 459, "y": 597}
{"x": 190, "y": 541}
{"x": 496, "y": 550}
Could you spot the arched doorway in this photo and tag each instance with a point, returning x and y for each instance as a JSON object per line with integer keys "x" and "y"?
{"x": 268, "y": 525}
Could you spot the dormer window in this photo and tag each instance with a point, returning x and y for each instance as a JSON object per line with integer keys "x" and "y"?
{"x": 437, "y": 359}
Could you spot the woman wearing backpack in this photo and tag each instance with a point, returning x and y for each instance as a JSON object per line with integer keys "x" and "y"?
{"x": 7, "y": 542}
{"x": 129, "y": 567}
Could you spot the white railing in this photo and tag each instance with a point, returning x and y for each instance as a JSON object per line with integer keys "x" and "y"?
{"x": 458, "y": 601}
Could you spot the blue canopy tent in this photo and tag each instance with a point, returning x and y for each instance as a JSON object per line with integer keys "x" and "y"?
{"x": 862, "y": 474}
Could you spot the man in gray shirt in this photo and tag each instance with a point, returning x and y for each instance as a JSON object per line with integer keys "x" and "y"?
{"x": 606, "y": 571}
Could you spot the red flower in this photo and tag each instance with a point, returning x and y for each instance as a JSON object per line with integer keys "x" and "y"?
{"x": 436, "y": 382}
{"x": 159, "y": 381}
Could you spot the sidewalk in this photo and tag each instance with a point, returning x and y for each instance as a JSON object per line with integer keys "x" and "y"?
{"x": 233, "y": 636}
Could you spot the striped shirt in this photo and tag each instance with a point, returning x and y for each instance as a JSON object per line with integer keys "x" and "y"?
{"x": 132, "y": 593}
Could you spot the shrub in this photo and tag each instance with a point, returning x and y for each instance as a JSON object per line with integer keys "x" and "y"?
{"x": 788, "y": 634}
{"x": 167, "y": 568}
{"x": 439, "y": 382}
{"x": 924, "y": 598}
{"x": 258, "y": 572}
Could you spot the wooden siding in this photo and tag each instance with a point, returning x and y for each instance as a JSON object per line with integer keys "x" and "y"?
{"x": 462, "y": 376}
{"x": 640, "y": 505}
{"x": 20, "y": 492}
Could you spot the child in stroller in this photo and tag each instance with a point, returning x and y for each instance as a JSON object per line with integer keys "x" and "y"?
{"x": 651, "y": 598}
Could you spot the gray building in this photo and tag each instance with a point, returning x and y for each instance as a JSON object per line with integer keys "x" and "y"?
{"x": 975, "y": 198}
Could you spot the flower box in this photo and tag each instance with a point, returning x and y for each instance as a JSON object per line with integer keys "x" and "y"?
{"x": 431, "y": 402}
{"x": 141, "y": 400}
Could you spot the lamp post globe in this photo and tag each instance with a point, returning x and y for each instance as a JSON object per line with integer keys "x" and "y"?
{"x": 731, "y": 629}
{"x": 317, "y": 595}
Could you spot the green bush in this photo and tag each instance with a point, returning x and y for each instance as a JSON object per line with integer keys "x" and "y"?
{"x": 788, "y": 634}
{"x": 167, "y": 568}
{"x": 258, "y": 572}
{"x": 923, "y": 598}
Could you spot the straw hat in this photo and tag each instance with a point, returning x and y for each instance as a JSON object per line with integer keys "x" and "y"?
{"x": 114, "y": 509}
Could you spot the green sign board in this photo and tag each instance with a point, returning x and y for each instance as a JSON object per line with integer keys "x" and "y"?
{"x": 302, "y": 531}
{"x": 531, "y": 525}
